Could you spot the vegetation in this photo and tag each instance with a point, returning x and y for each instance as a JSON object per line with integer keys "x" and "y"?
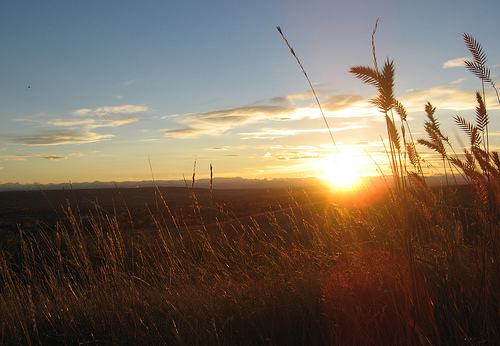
{"x": 420, "y": 265}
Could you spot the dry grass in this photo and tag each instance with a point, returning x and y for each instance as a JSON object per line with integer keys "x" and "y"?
{"x": 377, "y": 298}
{"x": 420, "y": 265}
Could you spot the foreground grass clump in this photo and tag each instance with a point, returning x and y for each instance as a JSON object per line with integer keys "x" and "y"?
{"x": 375, "y": 297}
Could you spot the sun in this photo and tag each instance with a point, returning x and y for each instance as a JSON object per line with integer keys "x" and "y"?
{"x": 340, "y": 170}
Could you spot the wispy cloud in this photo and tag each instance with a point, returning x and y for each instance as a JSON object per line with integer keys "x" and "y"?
{"x": 299, "y": 157}
{"x": 92, "y": 118}
{"x": 22, "y": 157}
{"x": 54, "y": 157}
{"x": 129, "y": 82}
{"x": 71, "y": 122}
{"x": 457, "y": 81}
{"x": 115, "y": 122}
{"x": 335, "y": 103}
{"x": 38, "y": 117}
{"x": 218, "y": 148}
{"x": 442, "y": 97}
{"x": 93, "y": 123}
{"x": 217, "y": 122}
{"x": 307, "y": 95}
{"x": 301, "y": 152}
{"x": 14, "y": 157}
{"x": 58, "y": 137}
{"x": 458, "y": 62}
{"x": 107, "y": 111}
{"x": 188, "y": 132}
{"x": 106, "y": 116}
{"x": 270, "y": 133}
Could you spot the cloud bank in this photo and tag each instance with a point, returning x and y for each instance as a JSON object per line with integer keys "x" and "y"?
{"x": 217, "y": 122}
{"x": 80, "y": 125}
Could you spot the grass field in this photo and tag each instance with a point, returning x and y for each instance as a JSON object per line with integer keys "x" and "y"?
{"x": 417, "y": 265}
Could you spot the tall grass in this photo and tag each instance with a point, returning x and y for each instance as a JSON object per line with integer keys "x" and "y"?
{"x": 453, "y": 230}
{"x": 171, "y": 286}
{"x": 417, "y": 265}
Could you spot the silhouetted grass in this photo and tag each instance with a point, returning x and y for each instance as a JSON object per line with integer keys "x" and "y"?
{"x": 418, "y": 265}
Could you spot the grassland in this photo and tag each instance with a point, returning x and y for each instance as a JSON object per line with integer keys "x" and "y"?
{"x": 416, "y": 265}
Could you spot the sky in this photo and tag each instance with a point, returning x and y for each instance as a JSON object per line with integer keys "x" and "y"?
{"x": 118, "y": 90}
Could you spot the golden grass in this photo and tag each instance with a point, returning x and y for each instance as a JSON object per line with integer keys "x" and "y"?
{"x": 419, "y": 265}
{"x": 377, "y": 298}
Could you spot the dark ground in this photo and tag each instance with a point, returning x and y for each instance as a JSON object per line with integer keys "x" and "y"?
{"x": 29, "y": 208}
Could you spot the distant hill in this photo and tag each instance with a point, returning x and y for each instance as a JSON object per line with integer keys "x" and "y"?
{"x": 218, "y": 183}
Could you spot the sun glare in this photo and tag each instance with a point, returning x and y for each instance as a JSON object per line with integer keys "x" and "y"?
{"x": 340, "y": 170}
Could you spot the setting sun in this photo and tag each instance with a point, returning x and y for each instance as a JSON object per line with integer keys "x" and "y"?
{"x": 340, "y": 170}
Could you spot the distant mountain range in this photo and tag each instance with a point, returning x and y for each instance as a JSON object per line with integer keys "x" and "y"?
{"x": 218, "y": 183}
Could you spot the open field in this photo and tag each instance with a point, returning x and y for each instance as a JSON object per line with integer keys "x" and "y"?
{"x": 27, "y": 208}
{"x": 267, "y": 273}
{"x": 247, "y": 223}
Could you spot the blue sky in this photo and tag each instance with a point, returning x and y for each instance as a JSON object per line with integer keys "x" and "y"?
{"x": 90, "y": 90}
